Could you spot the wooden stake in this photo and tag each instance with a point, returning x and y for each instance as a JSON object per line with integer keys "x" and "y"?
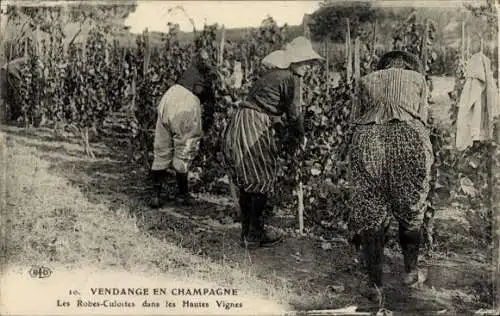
{"x": 357, "y": 61}
{"x": 222, "y": 42}
{"x": 133, "y": 86}
{"x": 357, "y": 76}
{"x": 122, "y": 51}
{"x": 462, "y": 41}
{"x": 300, "y": 189}
{"x": 327, "y": 67}
{"x": 424, "y": 49}
{"x": 348, "y": 52}
{"x": 147, "y": 52}
{"x": 327, "y": 313}
{"x": 374, "y": 42}
{"x": 349, "y": 310}
{"x": 300, "y": 193}
{"x": 468, "y": 48}
{"x": 36, "y": 43}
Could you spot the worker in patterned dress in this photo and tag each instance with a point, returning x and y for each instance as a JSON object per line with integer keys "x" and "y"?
{"x": 249, "y": 144}
{"x": 390, "y": 164}
{"x": 180, "y": 126}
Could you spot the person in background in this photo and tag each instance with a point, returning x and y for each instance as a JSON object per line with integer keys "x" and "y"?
{"x": 180, "y": 126}
{"x": 478, "y": 106}
{"x": 390, "y": 164}
{"x": 249, "y": 144}
{"x": 10, "y": 81}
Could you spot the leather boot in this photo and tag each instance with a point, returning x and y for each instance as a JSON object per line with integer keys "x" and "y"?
{"x": 254, "y": 234}
{"x": 356, "y": 242}
{"x": 267, "y": 237}
{"x": 410, "y": 245}
{"x": 246, "y": 209}
{"x": 373, "y": 257}
{"x": 157, "y": 176}
{"x": 184, "y": 198}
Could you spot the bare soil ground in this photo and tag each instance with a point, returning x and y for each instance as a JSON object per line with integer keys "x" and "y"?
{"x": 442, "y": 103}
{"x": 64, "y": 208}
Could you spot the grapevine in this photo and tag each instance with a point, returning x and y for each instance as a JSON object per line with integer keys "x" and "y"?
{"x": 117, "y": 89}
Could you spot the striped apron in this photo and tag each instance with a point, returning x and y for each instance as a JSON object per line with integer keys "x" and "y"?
{"x": 250, "y": 151}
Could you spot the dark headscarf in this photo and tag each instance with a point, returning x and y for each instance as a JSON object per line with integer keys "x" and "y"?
{"x": 400, "y": 59}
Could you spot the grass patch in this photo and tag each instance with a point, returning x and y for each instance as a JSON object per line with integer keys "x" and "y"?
{"x": 50, "y": 222}
{"x": 66, "y": 210}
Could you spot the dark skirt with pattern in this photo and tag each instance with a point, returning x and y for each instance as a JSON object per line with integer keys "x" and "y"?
{"x": 390, "y": 173}
{"x": 250, "y": 151}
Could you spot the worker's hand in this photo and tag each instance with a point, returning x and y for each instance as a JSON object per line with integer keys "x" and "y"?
{"x": 303, "y": 144}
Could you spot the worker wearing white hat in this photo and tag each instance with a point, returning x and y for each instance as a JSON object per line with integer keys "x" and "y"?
{"x": 250, "y": 148}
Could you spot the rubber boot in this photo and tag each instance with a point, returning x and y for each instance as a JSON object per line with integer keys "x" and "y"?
{"x": 158, "y": 176}
{"x": 410, "y": 241}
{"x": 183, "y": 198}
{"x": 373, "y": 258}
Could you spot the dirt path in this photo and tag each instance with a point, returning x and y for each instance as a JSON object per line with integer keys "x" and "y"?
{"x": 442, "y": 102}
{"x": 299, "y": 271}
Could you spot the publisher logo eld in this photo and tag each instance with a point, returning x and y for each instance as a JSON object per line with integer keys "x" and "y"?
{"x": 40, "y": 272}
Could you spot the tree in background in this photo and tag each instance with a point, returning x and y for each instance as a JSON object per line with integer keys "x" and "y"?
{"x": 329, "y": 21}
{"x": 487, "y": 11}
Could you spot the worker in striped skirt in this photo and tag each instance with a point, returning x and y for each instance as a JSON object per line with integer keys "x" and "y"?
{"x": 180, "y": 125}
{"x": 390, "y": 164}
{"x": 250, "y": 146}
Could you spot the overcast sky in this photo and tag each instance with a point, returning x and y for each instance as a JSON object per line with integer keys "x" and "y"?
{"x": 233, "y": 14}
{"x": 153, "y": 14}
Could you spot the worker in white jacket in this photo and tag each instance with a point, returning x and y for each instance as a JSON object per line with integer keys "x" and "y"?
{"x": 478, "y": 105}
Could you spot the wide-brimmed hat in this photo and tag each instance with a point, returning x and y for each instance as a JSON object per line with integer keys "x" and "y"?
{"x": 301, "y": 50}
{"x": 408, "y": 60}
{"x": 298, "y": 50}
